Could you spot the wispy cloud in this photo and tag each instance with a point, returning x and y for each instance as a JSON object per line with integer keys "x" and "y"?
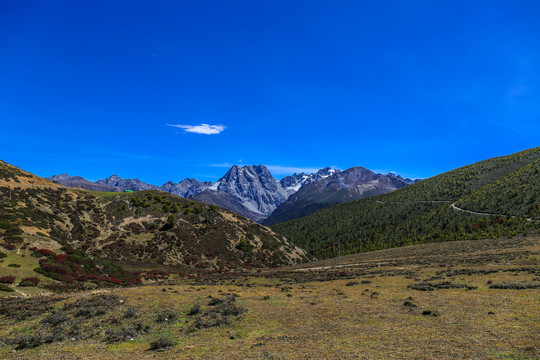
{"x": 201, "y": 129}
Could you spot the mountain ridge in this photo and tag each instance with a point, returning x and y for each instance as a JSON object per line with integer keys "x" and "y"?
{"x": 250, "y": 190}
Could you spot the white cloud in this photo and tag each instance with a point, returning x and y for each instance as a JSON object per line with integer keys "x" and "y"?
{"x": 201, "y": 129}
{"x": 224, "y": 165}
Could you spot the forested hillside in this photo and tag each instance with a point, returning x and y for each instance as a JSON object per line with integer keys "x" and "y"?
{"x": 504, "y": 186}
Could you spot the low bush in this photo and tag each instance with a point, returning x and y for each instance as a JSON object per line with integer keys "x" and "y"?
{"x": 29, "y": 281}
{"x": 6, "y": 288}
{"x": 515, "y": 285}
{"x": 161, "y": 344}
{"x": 7, "y": 279}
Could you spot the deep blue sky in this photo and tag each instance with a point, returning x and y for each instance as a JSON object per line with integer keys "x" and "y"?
{"x": 416, "y": 87}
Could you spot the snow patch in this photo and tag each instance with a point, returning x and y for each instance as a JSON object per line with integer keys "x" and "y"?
{"x": 214, "y": 186}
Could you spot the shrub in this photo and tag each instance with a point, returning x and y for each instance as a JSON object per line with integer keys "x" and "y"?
{"x": 7, "y": 279}
{"x": 14, "y": 265}
{"x": 161, "y": 344}
{"x": 6, "y": 288}
{"x": 2, "y": 255}
{"x": 29, "y": 281}
{"x": 9, "y": 246}
{"x": 166, "y": 316}
{"x": 244, "y": 245}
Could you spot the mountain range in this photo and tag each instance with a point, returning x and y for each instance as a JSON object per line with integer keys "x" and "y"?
{"x": 254, "y": 193}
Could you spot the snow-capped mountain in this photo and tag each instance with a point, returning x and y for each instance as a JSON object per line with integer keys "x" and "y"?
{"x": 351, "y": 184}
{"x": 294, "y": 182}
{"x": 253, "y": 187}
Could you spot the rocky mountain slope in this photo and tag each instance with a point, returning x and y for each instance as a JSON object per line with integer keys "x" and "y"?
{"x": 252, "y": 186}
{"x": 342, "y": 186}
{"x": 489, "y": 199}
{"x": 294, "y": 182}
{"x": 144, "y": 227}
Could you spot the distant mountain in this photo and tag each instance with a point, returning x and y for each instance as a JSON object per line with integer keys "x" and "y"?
{"x": 129, "y": 184}
{"x": 252, "y": 186}
{"x": 294, "y": 182}
{"x": 82, "y": 183}
{"x": 407, "y": 180}
{"x": 342, "y": 186}
{"x": 186, "y": 187}
{"x": 493, "y": 198}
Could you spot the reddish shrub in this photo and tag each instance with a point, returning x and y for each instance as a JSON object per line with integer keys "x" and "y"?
{"x": 54, "y": 268}
{"x": 28, "y": 281}
{"x": 79, "y": 277}
{"x": 45, "y": 252}
{"x": 61, "y": 257}
{"x": 66, "y": 278}
{"x": 115, "y": 280}
{"x": 7, "y": 279}
{"x": 9, "y": 246}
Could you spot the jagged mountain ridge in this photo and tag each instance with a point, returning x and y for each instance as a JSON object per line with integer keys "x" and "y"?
{"x": 250, "y": 191}
{"x": 348, "y": 185}
{"x": 294, "y": 182}
{"x": 253, "y": 186}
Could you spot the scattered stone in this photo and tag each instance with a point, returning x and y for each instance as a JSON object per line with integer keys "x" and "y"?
{"x": 430, "y": 313}
{"x": 409, "y": 304}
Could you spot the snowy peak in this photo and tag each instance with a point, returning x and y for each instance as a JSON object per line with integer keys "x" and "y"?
{"x": 253, "y": 186}
{"x": 294, "y": 182}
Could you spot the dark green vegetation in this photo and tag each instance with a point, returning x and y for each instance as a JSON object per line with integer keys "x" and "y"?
{"x": 422, "y": 212}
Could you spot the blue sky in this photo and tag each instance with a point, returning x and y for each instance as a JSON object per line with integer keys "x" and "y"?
{"x": 92, "y": 88}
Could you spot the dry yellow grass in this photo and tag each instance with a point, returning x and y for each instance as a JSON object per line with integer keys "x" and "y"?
{"x": 295, "y": 315}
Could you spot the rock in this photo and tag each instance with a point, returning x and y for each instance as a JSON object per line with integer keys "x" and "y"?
{"x": 409, "y": 304}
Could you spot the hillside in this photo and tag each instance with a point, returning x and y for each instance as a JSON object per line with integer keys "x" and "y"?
{"x": 146, "y": 227}
{"x": 423, "y": 212}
